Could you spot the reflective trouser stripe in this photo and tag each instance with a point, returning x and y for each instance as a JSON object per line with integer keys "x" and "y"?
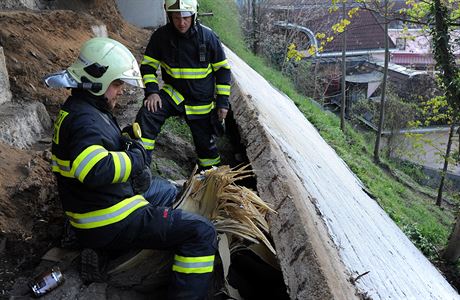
{"x": 122, "y": 165}
{"x": 197, "y": 265}
{"x": 173, "y": 93}
{"x": 106, "y": 216}
{"x": 187, "y": 73}
{"x": 148, "y": 143}
{"x": 149, "y": 78}
{"x": 223, "y": 89}
{"x": 221, "y": 64}
{"x": 150, "y": 61}
{"x": 199, "y": 109}
{"x": 207, "y": 162}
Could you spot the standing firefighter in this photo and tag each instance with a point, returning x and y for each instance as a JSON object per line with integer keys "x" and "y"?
{"x": 104, "y": 182}
{"x": 196, "y": 79}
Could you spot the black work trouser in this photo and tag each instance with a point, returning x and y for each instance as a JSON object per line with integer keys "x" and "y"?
{"x": 187, "y": 234}
{"x": 158, "y": 226}
{"x": 201, "y": 128}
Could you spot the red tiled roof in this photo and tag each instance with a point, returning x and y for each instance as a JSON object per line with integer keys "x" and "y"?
{"x": 412, "y": 58}
{"x": 364, "y": 33}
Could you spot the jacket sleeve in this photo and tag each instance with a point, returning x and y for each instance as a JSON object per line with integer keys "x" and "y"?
{"x": 150, "y": 65}
{"x": 221, "y": 70}
{"x": 93, "y": 164}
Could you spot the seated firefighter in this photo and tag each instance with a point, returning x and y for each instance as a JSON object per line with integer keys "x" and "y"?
{"x": 104, "y": 181}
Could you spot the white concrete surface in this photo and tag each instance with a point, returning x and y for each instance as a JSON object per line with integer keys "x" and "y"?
{"x": 22, "y": 125}
{"x": 142, "y": 13}
{"x": 363, "y": 235}
{"x": 5, "y": 92}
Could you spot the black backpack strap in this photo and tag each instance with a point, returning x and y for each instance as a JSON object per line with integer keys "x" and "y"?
{"x": 201, "y": 43}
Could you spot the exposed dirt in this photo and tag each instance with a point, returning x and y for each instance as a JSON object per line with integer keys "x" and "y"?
{"x": 30, "y": 215}
{"x": 38, "y": 43}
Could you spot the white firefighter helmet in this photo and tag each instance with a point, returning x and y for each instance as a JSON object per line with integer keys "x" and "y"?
{"x": 103, "y": 60}
{"x": 186, "y": 8}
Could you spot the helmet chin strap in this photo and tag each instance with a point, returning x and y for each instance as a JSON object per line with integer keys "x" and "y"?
{"x": 90, "y": 86}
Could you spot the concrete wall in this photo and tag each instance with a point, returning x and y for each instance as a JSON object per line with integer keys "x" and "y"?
{"x": 142, "y": 13}
{"x": 5, "y": 93}
{"x": 20, "y": 4}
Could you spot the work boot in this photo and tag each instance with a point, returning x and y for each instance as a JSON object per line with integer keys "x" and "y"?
{"x": 69, "y": 239}
{"x": 92, "y": 266}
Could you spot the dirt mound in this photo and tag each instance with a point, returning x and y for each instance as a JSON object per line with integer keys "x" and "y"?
{"x": 39, "y": 43}
{"x": 30, "y": 214}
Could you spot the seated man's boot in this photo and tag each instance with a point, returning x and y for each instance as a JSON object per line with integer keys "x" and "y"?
{"x": 93, "y": 265}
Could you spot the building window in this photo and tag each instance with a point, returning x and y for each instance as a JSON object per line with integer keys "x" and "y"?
{"x": 401, "y": 43}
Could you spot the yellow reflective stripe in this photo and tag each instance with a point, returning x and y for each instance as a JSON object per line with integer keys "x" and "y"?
{"x": 198, "y": 265}
{"x": 223, "y": 89}
{"x": 86, "y": 160}
{"x": 57, "y": 125}
{"x": 150, "y": 61}
{"x": 207, "y": 162}
{"x": 61, "y": 166}
{"x": 187, "y": 73}
{"x": 148, "y": 143}
{"x": 199, "y": 109}
{"x": 106, "y": 216}
{"x": 148, "y": 78}
{"x": 122, "y": 165}
{"x": 221, "y": 64}
{"x": 173, "y": 93}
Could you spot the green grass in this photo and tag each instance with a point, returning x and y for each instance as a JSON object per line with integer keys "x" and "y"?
{"x": 427, "y": 225}
{"x": 179, "y": 127}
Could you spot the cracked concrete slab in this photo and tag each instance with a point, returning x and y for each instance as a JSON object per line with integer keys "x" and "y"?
{"x": 22, "y": 125}
{"x": 328, "y": 231}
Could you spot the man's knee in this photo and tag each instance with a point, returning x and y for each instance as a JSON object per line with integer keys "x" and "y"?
{"x": 207, "y": 232}
{"x": 202, "y": 231}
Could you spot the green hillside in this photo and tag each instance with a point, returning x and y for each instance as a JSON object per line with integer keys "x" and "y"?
{"x": 427, "y": 225}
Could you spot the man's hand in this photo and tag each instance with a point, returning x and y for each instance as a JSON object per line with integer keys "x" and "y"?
{"x": 221, "y": 113}
{"x": 153, "y": 102}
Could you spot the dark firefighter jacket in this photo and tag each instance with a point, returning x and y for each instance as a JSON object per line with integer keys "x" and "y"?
{"x": 92, "y": 167}
{"x": 188, "y": 79}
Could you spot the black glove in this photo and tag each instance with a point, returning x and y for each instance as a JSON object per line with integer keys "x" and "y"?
{"x": 218, "y": 127}
{"x": 141, "y": 180}
{"x": 137, "y": 147}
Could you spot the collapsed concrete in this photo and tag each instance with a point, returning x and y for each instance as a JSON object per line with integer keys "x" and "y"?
{"x": 329, "y": 234}
{"x": 21, "y": 125}
{"x": 5, "y": 93}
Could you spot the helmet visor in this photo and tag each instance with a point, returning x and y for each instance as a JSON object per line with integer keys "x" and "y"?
{"x": 133, "y": 76}
{"x": 185, "y": 14}
{"x": 134, "y": 82}
{"x": 60, "y": 79}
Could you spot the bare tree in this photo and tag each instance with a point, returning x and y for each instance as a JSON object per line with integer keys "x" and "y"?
{"x": 452, "y": 252}
{"x": 344, "y": 70}
{"x": 384, "y": 84}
